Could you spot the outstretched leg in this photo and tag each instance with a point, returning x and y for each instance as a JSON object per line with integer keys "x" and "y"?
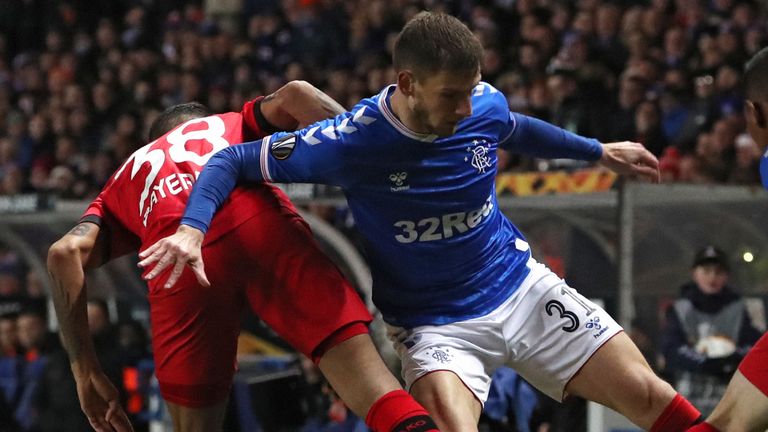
{"x": 359, "y": 376}
{"x": 618, "y": 377}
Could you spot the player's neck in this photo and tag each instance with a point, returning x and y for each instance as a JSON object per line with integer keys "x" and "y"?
{"x": 399, "y": 103}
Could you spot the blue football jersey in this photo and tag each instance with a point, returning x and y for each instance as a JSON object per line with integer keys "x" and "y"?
{"x": 764, "y": 169}
{"x": 439, "y": 248}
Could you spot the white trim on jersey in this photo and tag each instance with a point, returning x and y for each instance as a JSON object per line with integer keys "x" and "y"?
{"x": 264, "y": 159}
{"x": 514, "y": 126}
{"x": 396, "y": 123}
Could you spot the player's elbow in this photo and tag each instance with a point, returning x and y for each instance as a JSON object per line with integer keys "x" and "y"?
{"x": 60, "y": 252}
{"x": 295, "y": 95}
{"x": 298, "y": 89}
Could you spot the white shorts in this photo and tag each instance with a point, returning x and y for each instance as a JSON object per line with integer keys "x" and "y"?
{"x": 546, "y": 331}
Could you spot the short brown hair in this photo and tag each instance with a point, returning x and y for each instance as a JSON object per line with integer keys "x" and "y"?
{"x": 433, "y": 42}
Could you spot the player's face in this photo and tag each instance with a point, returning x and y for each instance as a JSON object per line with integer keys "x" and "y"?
{"x": 440, "y": 101}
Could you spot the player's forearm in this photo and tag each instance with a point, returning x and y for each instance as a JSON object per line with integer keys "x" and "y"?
{"x": 217, "y": 180}
{"x": 537, "y": 138}
{"x": 65, "y": 267}
{"x": 307, "y": 104}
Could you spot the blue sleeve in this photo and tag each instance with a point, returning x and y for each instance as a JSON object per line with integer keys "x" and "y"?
{"x": 316, "y": 154}
{"x": 533, "y": 137}
{"x": 217, "y": 180}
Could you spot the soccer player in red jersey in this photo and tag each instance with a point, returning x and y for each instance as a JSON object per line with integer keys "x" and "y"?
{"x": 744, "y": 406}
{"x": 259, "y": 252}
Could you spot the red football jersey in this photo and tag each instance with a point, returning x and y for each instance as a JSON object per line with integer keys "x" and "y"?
{"x": 145, "y": 198}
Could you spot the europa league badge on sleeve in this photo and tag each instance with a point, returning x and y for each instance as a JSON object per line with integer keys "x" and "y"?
{"x": 283, "y": 147}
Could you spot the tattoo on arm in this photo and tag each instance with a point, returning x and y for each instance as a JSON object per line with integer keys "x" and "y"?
{"x": 269, "y": 97}
{"x": 64, "y": 305}
{"x": 81, "y": 229}
{"x": 329, "y": 105}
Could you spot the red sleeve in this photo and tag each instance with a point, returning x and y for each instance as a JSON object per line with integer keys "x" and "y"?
{"x": 120, "y": 241}
{"x": 94, "y": 210}
{"x": 251, "y": 129}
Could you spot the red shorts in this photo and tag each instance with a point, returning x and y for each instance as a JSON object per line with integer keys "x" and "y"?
{"x": 754, "y": 367}
{"x": 271, "y": 262}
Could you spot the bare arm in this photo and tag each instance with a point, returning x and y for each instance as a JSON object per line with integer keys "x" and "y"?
{"x": 298, "y": 104}
{"x": 80, "y": 249}
{"x": 67, "y": 260}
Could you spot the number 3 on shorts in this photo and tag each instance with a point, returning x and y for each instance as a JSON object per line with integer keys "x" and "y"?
{"x": 573, "y": 324}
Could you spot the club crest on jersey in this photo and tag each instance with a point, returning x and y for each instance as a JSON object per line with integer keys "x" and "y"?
{"x": 283, "y": 147}
{"x": 440, "y": 354}
{"x": 398, "y": 181}
{"x": 480, "y": 159}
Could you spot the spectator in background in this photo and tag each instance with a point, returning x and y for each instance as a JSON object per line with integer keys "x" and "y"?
{"x": 568, "y": 111}
{"x": 10, "y": 360}
{"x": 9, "y": 336}
{"x": 82, "y": 67}
{"x": 11, "y": 294}
{"x": 702, "y": 113}
{"x": 55, "y": 400}
{"x": 631, "y": 92}
{"x": 745, "y": 169}
{"x": 12, "y": 181}
{"x": 711, "y": 156}
{"x": 674, "y": 111}
{"x": 37, "y": 344}
{"x": 648, "y": 130}
{"x": 34, "y": 288}
{"x": 707, "y": 332}
{"x": 729, "y": 99}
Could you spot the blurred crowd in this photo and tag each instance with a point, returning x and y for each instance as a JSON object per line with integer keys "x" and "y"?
{"x": 80, "y": 81}
{"x": 37, "y": 390}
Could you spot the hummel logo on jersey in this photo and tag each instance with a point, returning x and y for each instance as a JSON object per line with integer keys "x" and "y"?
{"x": 283, "y": 147}
{"x": 593, "y": 323}
{"x": 480, "y": 159}
{"x": 399, "y": 181}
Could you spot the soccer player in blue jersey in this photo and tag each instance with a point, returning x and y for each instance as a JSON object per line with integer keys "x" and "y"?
{"x": 453, "y": 277}
{"x": 744, "y": 406}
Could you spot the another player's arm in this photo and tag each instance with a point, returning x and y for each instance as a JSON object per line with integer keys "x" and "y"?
{"x": 297, "y": 161}
{"x": 82, "y": 248}
{"x": 213, "y": 186}
{"x": 534, "y": 137}
{"x": 295, "y": 105}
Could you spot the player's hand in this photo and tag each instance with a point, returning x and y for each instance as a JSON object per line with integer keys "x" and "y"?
{"x": 100, "y": 402}
{"x": 178, "y": 250}
{"x": 632, "y": 159}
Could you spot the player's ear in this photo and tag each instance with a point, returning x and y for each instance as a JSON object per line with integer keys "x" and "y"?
{"x": 405, "y": 82}
{"x": 754, "y": 111}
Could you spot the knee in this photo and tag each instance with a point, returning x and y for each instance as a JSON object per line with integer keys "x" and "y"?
{"x": 451, "y": 400}
{"x": 647, "y": 390}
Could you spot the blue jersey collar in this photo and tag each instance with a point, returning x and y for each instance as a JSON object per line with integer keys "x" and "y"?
{"x": 390, "y": 116}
